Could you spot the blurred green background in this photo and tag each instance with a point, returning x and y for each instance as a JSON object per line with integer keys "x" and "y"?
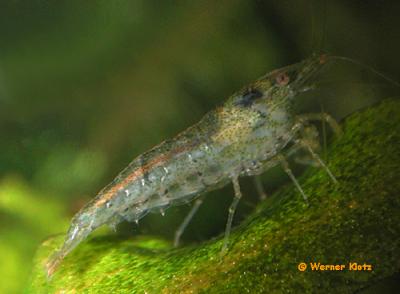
{"x": 85, "y": 86}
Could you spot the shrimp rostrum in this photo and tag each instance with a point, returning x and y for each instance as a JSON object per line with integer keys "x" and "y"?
{"x": 247, "y": 135}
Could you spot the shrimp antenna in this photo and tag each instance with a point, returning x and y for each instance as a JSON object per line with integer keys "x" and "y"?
{"x": 378, "y": 73}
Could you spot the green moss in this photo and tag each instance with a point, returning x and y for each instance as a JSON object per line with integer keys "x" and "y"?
{"x": 357, "y": 220}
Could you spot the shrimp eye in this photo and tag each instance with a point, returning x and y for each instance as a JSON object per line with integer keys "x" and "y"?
{"x": 282, "y": 79}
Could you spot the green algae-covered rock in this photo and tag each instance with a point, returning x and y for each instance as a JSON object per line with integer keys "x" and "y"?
{"x": 355, "y": 221}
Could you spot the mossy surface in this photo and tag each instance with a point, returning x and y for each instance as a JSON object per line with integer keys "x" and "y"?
{"x": 357, "y": 220}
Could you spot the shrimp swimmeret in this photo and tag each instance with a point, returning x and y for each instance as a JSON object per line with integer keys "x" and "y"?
{"x": 246, "y": 136}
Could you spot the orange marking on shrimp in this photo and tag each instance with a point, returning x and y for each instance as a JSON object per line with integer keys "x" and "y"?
{"x": 112, "y": 192}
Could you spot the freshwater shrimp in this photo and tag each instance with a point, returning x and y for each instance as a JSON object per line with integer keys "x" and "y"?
{"x": 245, "y": 136}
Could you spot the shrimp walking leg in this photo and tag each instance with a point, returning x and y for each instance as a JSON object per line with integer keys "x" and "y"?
{"x": 309, "y": 136}
{"x": 319, "y": 160}
{"x": 260, "y": 188}
{"x": 304, "y": 160}
{"x": 308, "y": 141}
{"x": 187, "y": 220}
{"x": 231, "y": 213}
{"x": 286, "y": 168}
{"x": 322, "y": 117}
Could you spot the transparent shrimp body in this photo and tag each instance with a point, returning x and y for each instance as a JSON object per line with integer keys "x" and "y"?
{"x": 243, "y": 137}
